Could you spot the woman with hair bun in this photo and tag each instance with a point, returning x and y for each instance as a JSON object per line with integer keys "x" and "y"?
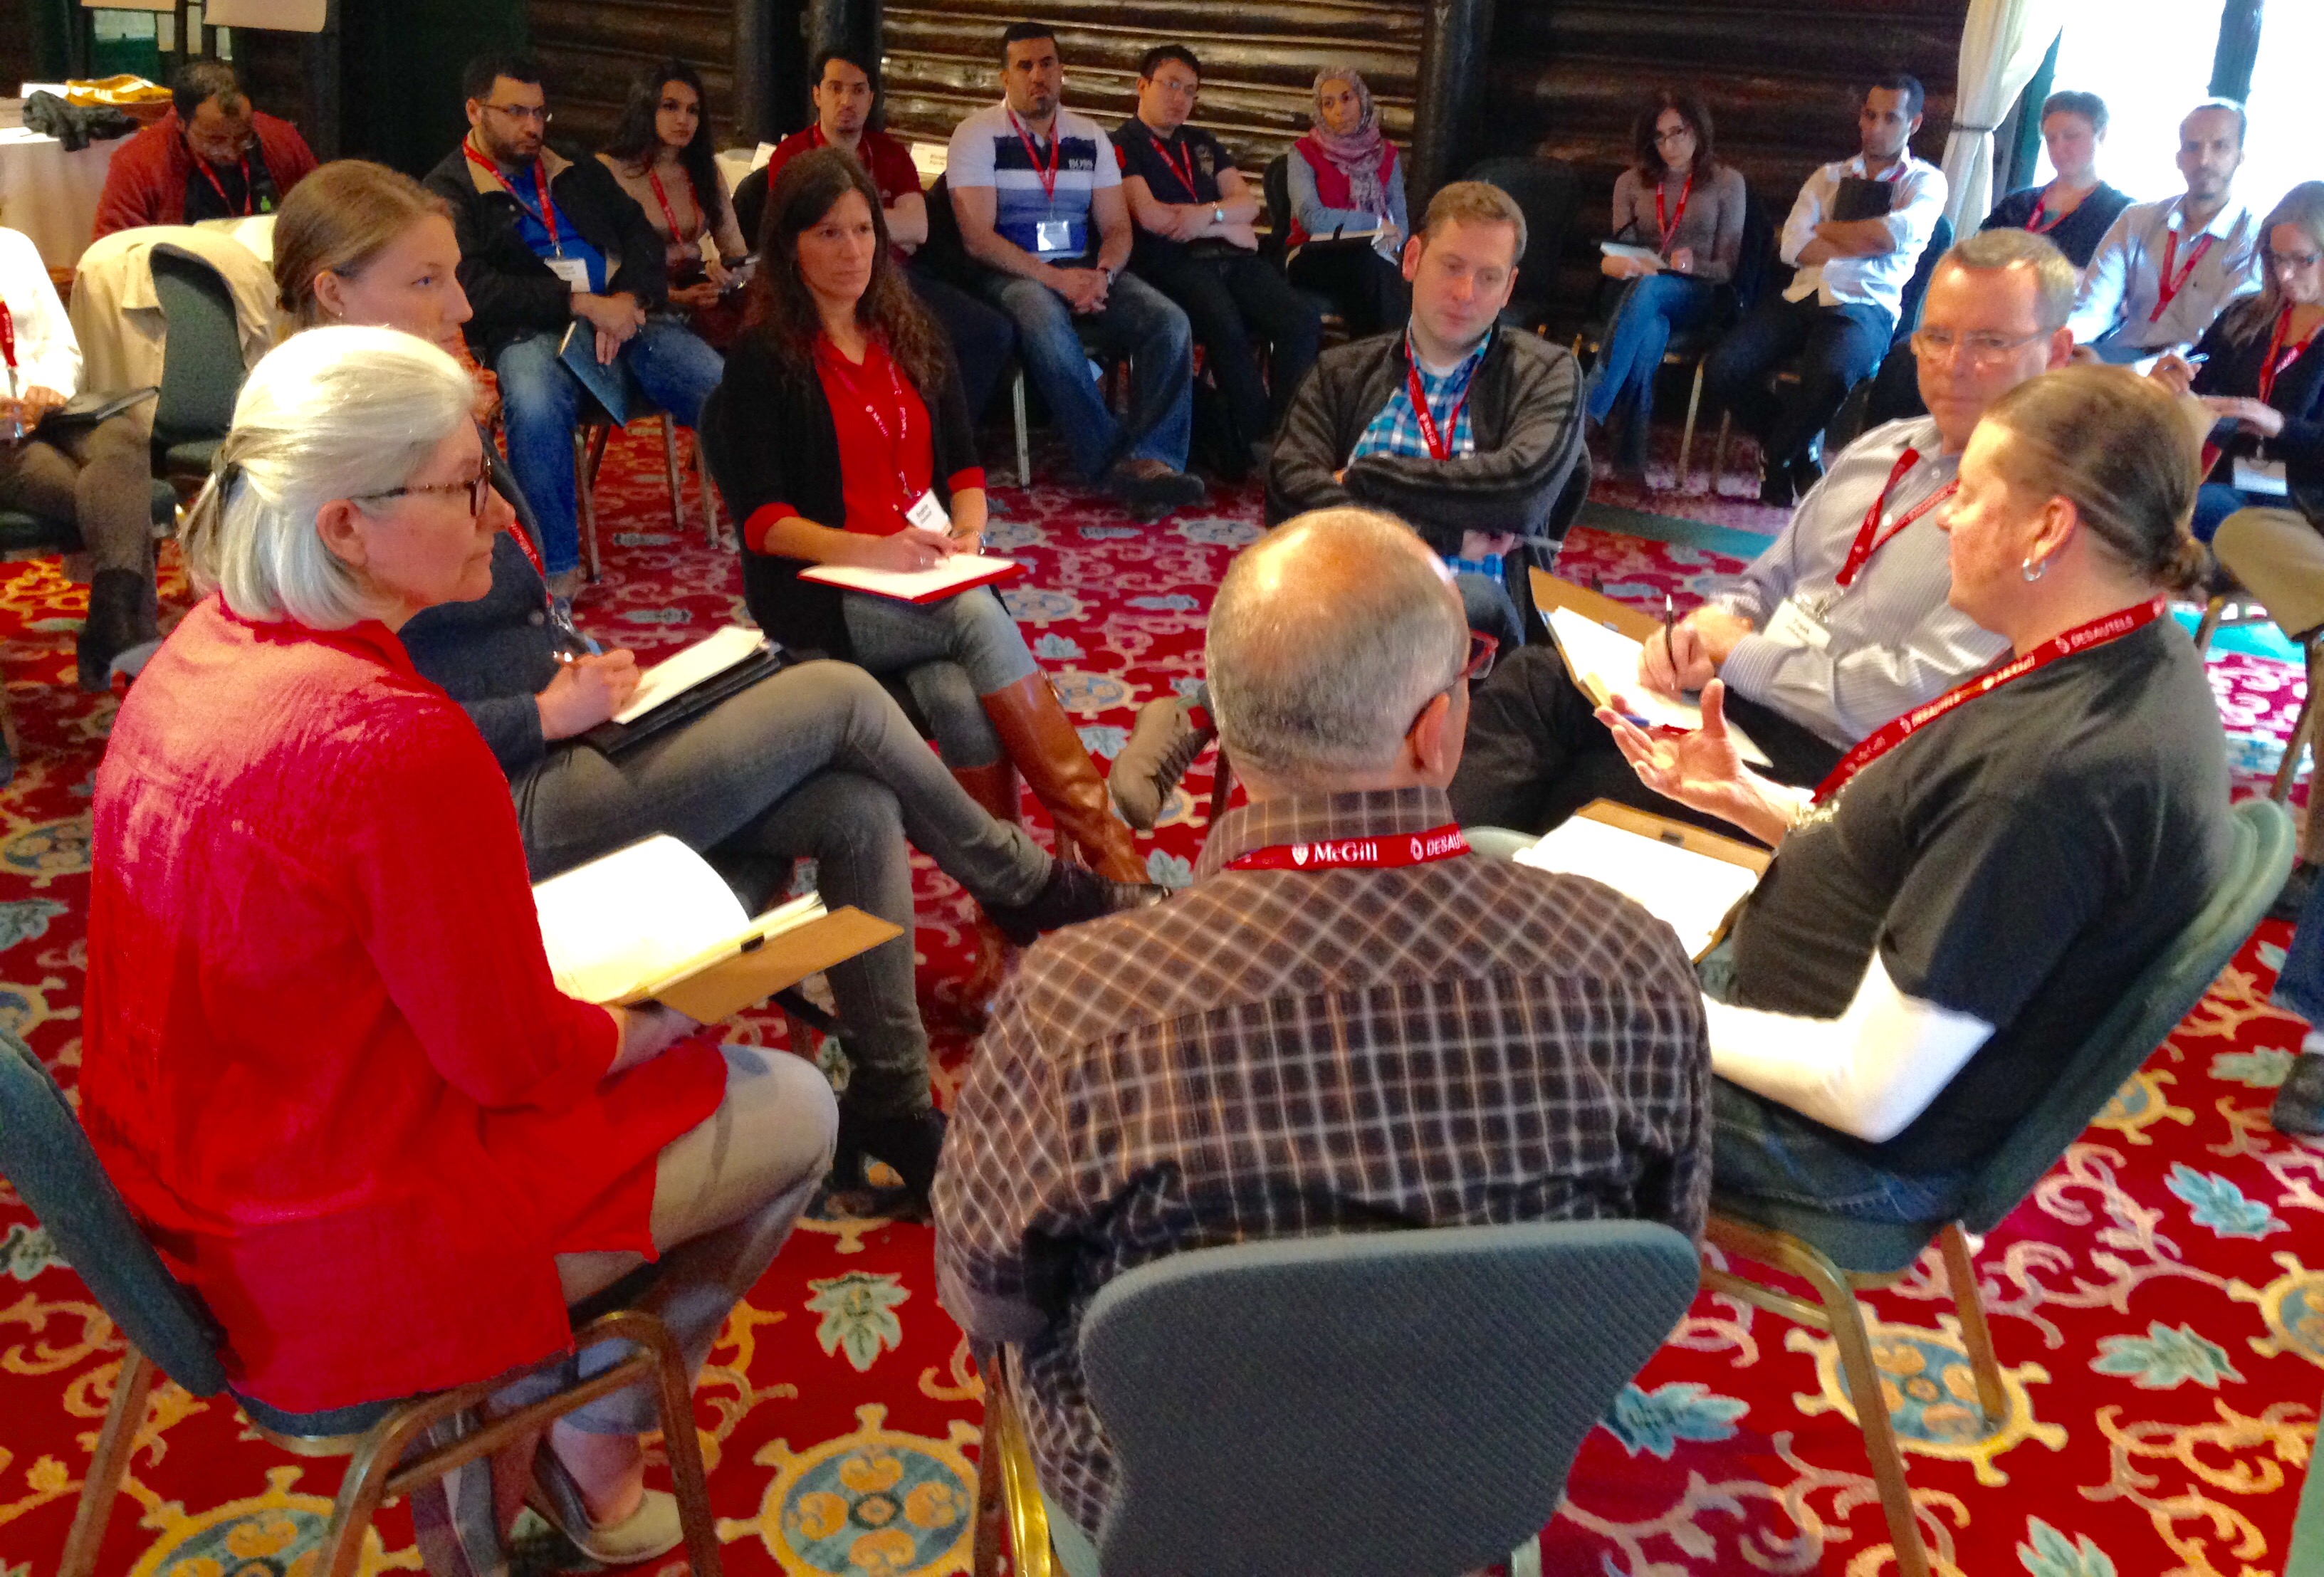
{"x": 1978, "y": 882}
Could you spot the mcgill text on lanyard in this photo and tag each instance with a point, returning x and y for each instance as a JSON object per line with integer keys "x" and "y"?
{"x": 924, "y": 512}
{"x": 1801, "y": 622}
{"x": 1385, "y": 852}
{"x": 2114, "y": 626}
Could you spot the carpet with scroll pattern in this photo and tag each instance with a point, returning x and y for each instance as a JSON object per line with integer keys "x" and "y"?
{"x": 2158, "y": 1303}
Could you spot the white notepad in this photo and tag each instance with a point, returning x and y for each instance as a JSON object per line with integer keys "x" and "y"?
{"x": 1687, "y": 892}
{"x": 1605, "y": 663}
{"x": 956, "y": 574}
{"x": 624, "y": 927}
{"x": 705, "y": 659}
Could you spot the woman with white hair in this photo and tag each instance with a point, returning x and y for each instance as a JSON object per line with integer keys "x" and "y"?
{"x": 1345, "y": 176}
{"x": 326, "y": 1062}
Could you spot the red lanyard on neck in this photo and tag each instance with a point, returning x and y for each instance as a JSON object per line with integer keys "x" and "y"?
{"x": 2168, "y": 285}
{"x": 1391, "y": 852}
{"x": 1869, "y": 539}
{"x": 1890, "y": 734}
{"x": 249, "y": 187}
{"x": 2281, "y": 355}
{"x": 842, "y": 370}
{"x": 1186, "y": 175}
{"x": 1439, "y": 440}
{"x": 546, "y": 214}
{"x": 653, "y": 178}
{"x": 1669, "y": 225}
{"x": 1049, "y": 177}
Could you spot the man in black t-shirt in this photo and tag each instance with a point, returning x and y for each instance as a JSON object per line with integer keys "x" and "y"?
{"x": 1195, "y": 244}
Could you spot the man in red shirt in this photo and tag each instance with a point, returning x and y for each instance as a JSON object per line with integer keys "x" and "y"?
{"x": 212, "y": 157}
{"x": 844, "y": 91}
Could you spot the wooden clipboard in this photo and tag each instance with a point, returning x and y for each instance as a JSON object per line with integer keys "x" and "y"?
{"x": 716, "y": 993}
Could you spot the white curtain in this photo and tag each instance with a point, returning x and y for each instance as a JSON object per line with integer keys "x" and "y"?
{"x": 2002, "y": 46}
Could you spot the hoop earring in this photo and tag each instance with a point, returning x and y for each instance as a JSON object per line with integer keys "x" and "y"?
{"x": 2033, "y": 569}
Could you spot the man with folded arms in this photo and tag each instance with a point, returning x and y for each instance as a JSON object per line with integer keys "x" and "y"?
{"x": 1842, "y": 624}
{"x": 2164, "y": 271}
{"x": 1037, "y": 193}
{"x": 548, "y": 244}
{"x": 1259, "y": 1056}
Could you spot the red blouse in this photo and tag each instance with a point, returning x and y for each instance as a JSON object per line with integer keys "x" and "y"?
{"x": 324, "y": 1059}
{"x": 886, "y": 451}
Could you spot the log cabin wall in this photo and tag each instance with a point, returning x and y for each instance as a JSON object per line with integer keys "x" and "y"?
{"x": 1782, "y": 81}
{"x": 590, "y": 49}
{"x": 941, "y": 62}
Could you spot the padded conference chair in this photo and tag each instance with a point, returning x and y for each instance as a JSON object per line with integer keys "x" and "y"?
{"x": 1228, "y": 1381}
{"x": 201, "y": 363}
{"x": 167, "y": 1330}
{"x": 1837, "y": 1255}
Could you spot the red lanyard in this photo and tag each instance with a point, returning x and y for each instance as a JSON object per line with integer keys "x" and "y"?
{"x": 2281, "y": 355}
{"x": 2167, "y": 287}
{"x": 1049, "y": 176}
{"x": 1889, "y": 734}
{"x": 249, "y": 188}
{"x": 1376, "y": 854}
{"x": 1439, "y": 441}
{"x": 546, "y": 214}
{"x": 1869, "y": 539}
{"x": 846, "y": 374}
{"x": 1185, "y": 176}
{"x": 1669, "y": 226}
{"x": 654, "y": 178}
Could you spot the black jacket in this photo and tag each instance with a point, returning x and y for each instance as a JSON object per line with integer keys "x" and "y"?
{"x": 2234, "y": 368}
{"x": 770, "y": 441}
{"x": 514, "y": 292}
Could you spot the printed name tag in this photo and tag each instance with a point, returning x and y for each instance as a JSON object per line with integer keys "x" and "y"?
{"x": 929, "y": 514}
{"x": 572, "y": 271}
{"x": 1054, "y": 235}
{"x": 2261, "y": 476}
{"x": 1795, "y": 626}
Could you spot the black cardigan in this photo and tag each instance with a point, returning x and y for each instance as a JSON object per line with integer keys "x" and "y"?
{"x": 770, "y": 441}
{"x": 2235, "y": 369}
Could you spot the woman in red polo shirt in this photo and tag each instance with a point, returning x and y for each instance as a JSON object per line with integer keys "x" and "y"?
{"x": 840, "y": 437}
{"x": 326, "y": 1061}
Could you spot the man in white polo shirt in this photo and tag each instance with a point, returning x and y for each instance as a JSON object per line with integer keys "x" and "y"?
{"x": 1038, "y": 192}
{"x": 2164, "y": 269}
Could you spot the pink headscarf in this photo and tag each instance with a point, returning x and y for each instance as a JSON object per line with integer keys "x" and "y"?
{"x": 1358, "y": 154}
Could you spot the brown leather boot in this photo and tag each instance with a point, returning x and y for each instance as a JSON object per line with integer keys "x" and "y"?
{"x": 995, "y": 788}
{"x": 1040, "y": 738}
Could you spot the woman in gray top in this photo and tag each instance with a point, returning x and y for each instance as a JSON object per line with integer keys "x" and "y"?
{"x": 1682, "y": 210}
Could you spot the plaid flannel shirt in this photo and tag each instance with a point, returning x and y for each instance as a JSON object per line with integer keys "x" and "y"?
{"x": 1285, "y": 1052}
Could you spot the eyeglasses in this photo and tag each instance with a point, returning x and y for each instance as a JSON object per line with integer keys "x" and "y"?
{"x": 478, "y": 489}
{"x": 524, "y": 112}
{"x": 1942, "y": 345}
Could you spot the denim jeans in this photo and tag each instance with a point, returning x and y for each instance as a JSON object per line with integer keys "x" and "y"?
{"x": 817, "y": 762}
{"x": 542, "y": 400}
{"x": 1652, "y": 310}
{"x": 950, "y": 653}
{"x": 1137, "y": 321}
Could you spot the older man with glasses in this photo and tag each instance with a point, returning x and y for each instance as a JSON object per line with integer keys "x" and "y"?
{"x": 546, "y": 244}
{"x": 1841, "y": 625}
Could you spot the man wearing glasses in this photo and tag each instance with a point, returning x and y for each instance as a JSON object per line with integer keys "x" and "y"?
{"x": 212, "y": 157}
{"x": 1841, "y": 625}
{"x": 1196, "y": 246}
{"x": 548, "y": 244}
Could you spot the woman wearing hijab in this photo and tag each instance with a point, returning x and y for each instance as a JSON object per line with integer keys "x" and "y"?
{"x": 1345, "y": 177}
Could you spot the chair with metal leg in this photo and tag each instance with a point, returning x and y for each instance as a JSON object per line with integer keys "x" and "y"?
{"x": 1839, "y": 1256}
{"x": 396, "y": 1446}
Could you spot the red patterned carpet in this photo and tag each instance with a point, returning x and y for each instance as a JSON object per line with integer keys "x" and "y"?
{"x": 2158, "y": 1303}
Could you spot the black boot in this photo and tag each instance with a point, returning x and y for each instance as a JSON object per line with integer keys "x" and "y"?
{"x": 1074, "y": 893}
{"x": 909, "y": 1143}
{"x": 121, "y": 614}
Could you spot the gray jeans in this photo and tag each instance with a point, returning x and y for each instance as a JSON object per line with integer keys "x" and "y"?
{"x": 950, "y": 653}
{"x": 816, "y": 763}
{"x": 726, "y": 1193}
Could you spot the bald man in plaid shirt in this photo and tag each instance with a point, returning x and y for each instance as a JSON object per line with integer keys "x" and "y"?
{"x": 1348, "y": 1021}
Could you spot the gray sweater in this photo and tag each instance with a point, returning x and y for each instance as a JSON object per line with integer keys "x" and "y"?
{"x": 1711, "y": 227}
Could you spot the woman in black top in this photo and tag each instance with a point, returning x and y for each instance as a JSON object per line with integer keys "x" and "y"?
{"x": 1978, "y": 882}
{"x": 840, "y": 437}
{"x": 2076, "y": 208}
{"x": 2259, "y": 369}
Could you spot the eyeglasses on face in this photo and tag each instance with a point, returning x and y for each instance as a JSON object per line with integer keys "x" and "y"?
{"x": 478, "y": 489}
{"x": 1943, "y": 345}
{"x": 524, "y": 112}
